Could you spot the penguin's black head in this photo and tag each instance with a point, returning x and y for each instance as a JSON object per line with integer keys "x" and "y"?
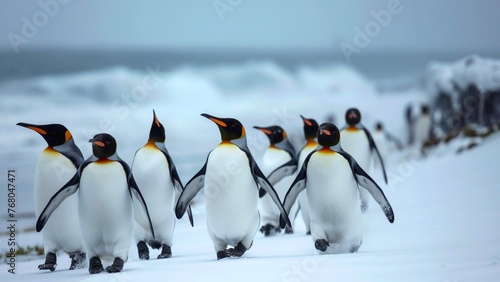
{"x": 352, "y": 116}
{"x": 425, "y": 109}
{"x": 328, "y": 135}
{"x": 103, "y": 145}
{"x": 230, "y": 128}
{"x": 275, "y": 133}
{"x": 310, "y": 127}
{"x": 54, "y": 134}
{"x": 157, "y": 132}
{"x": 378, "y": 126}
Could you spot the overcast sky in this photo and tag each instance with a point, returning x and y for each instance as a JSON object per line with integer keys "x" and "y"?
{"x": 427, "y": 25}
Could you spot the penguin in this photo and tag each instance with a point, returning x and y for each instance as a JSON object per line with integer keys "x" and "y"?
{"x": 279, "y": 162}
{"x": 310, "y": 127}
{"x": 155, "y": 172}
{"x": 105, "y": 186}
{"x": 231, "y": 179}
{"x": 56, "y": 165}
{"x": 423, "y": 126}
{"x": 358, "y": 142}
{"x": 331, "y": 177}
{"x": 381, "y": 138}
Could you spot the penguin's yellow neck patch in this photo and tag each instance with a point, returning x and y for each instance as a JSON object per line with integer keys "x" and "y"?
{"x": 272, "y": 146}
{"x": 103, "y": 161}
{"x": 50, "y": 150}
{"x": 326, "y": 150}
{"x": 352, "y": 128}
{"x": 311, "y": 143}
{"x": 150, "y": 145}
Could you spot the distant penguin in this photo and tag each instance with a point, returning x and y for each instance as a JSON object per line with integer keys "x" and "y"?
{"x": 358, "y": 142}
{"x": 423, "y": 126}
{"x": 409, "y": 123}
{"x": 331, "y": 177}
{"x": 382, "y": 138}
{"x": 310, "y": 127}
{"x": 105, "y": 186}
{"x": 154, "y": 171}
{"x": 56, "y": 165}
{"x": 279, "y": 163}
{"x": 231, "y": 179}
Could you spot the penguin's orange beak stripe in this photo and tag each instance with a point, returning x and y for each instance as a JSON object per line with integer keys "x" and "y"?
{"x": 99, "y": 143}
{"x": 327, "y": 132}
{"x": 39, "y": 130}
{"x": 266, "y": 131}
{"x": 221, "y": 123}
{"x": 308, "y": 122}
{"x": 157, "y": 122}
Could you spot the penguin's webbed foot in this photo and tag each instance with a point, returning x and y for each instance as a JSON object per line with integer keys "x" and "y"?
{"x": 50, "y": 262}
{"x": 117, "y": 265}
{"x": 237, "y": 251}
{"x": 288, "y": 230}
{"x": 95, "y": 265}
{"x": 308, "y": 232}
{"x": 269, "y": 230}
{"x": 166, "y": 252}
{"x": 143, "y": 250}
{"x": 78, "y": 260}
{"x": 222, "y": 255}
{"x": 321, "y": 245}
{"x": 155, "y": 244}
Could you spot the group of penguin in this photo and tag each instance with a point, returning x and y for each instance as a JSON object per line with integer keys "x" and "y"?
{"x": 94, "y": 208}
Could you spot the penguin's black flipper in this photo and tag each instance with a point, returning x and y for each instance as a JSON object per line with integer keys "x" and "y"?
{"x": 365, "y": 181}
{"x": 373, "y": 147}
{"x": 395, "y": 140}
{"x": 174, "y": 176}
{"x": 190, "y": 191}
{"x": 279, "y": 173}
{"x": 297, "y": 186}
{"x": 134, "y": 189}
{"x": 261, "y": 180}
{"x": 67, "y": 190}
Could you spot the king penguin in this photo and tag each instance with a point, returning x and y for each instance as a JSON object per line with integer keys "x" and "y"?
{"x": 279, "y": 163}
{"x": 231, "y": 179}
{"x": 381, "y": 137}
{"x": 56, "y": 165}
{"x": 358, "y": 142}
{"x": 105, "y": 186}
{"x": 331, "y": 177}
{"x": 154, "y": 171}
{"x": 310, "y": 127}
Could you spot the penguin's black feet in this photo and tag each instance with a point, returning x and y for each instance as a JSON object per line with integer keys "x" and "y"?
{"x": 143, "y": 250}
{"x": 117, "y": 265}
{"x": 308, "y": 232}
{"x": 269, "y": 230}
{"x": 155, "y": 244}
{"x": 50, "y": 262}
{"x": 222, "y": 255}
{"x": 166, "y": 252}
{"x": 77, "y": 260}
{"x": 288, "y": 230}
{"x": 237, "y": 251}
{"x": 354, "y": 248}
{"x": 321, "y": 245}
{"x": 95, "y": 265}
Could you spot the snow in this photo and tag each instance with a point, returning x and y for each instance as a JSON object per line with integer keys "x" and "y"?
{"x": 446, "y": 205}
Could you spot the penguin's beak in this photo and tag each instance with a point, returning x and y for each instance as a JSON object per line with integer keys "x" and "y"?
{"x": 263, "y": 129}
{"x": 32, "y": 127}
{"x": 306, "y": 121}
{"x": 157, "y": 122}
{"x": 215, "y": 119}
{"x": 96, "y": 142}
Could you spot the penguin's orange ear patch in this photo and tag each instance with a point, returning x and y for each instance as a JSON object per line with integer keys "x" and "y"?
{"x": 67, "y": 136}
{"x": 243, "y": 132}
{"x": 219, "y": 122}
{"x": 39, "y": 130}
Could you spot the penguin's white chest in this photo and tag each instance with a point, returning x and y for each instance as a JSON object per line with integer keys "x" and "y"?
{"x": 272, "y": 159}
{"x": 230, "y": 192}
{"x": 356, "y": 144}
{"x": 151, "y": 173}
{"x": 331, "y": 189}
{"x": 105, "y": 205}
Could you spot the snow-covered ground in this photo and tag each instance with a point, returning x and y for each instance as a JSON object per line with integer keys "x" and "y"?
{"x": 447, "y": 206}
